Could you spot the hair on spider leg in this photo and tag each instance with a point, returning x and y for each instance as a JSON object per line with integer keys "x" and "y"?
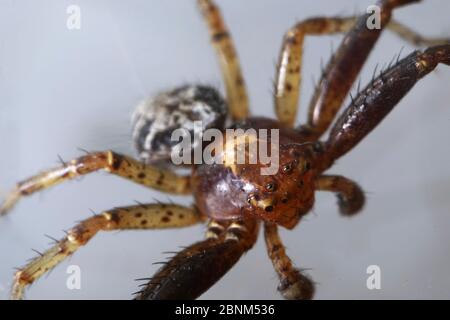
{"x": 84, "y": 150}
{"x": 137, "y": 293}
{"x": 38, "y": 252}
{"x": 60, "y": 159}
{"x": 144, "y": 279}
{"x": 159, "y": 262}
{"x": 142, "y": 205}
{"x": 374, "y": 73}
{"x": 51, "y": 238}
{"x": 399, "y": 54}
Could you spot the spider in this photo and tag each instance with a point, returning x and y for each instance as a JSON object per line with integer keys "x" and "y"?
{"x": 235, "y": 200}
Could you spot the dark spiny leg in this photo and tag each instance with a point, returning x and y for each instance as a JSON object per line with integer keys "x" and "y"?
{"x": 288, "y": 78}
{"x": 293, "y": 284}
{"x": 379, "y": 98}
{"x": 343, "y": 68}
{"x": 109, "y": 161}
{"x": 349, "y": 194}
{"x": 194, "y": 270}
{"x": 229, "y": 63}
{"x": 152, "y": 216}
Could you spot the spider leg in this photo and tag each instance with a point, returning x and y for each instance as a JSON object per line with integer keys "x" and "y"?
{"x": 293, "y": 284}
{"x": 194, "y": 270}
{"x": 151, "y": 216}
{"x": 109, "y": 161}
{"x": 350, "y": 195}
{"x": 237, "y": 98}
{"x": 342, "y": 69}
{"x": 373, "y": 103}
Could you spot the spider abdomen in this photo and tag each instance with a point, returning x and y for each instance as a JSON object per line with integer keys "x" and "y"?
{"x": 156, "y": 119}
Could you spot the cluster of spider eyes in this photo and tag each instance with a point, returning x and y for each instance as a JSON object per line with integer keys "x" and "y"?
{"x": 271, "y": 186}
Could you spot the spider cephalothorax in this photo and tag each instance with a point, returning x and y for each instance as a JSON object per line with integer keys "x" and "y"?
{"x": 231, "y": 190}
{"x": 237, "y": 198}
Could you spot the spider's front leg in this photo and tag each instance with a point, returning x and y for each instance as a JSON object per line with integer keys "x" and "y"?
{"x": 195, "y": 269}
{"x": 152, "y": 216}
{"x": 341, "y": 71}
{"x": 109, "y": 161}
{"x": 373, "y": 103}
{"x": 293, "y": 284}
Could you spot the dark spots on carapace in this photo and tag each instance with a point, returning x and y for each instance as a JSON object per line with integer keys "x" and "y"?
{"x": 144, "y": 222}
{"x": 169, "y": 213}
{"x": 181, "y": 216}
{"x": 138, "y": 214}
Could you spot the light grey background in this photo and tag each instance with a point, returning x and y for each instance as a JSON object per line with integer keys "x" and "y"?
{"x": 62, "y": 89}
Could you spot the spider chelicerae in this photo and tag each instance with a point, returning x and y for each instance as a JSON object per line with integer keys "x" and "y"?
{"x": 233, "y": 212}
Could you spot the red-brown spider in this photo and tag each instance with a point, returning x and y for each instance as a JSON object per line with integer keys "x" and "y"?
{"x": 235, "y": 198}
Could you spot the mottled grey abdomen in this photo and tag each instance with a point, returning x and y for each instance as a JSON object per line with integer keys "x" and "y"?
{"x": 156, "y": 118}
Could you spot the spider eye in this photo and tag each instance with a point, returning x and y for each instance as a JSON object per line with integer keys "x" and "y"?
{"x": 252, "y": 197}
{"x": 270, "y": 186}
{"x": 287, "y": 168}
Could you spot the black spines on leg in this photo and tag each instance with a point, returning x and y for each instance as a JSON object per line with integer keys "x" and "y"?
{"x": 375, "y": 101}
{"x": 192, "y": 271}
